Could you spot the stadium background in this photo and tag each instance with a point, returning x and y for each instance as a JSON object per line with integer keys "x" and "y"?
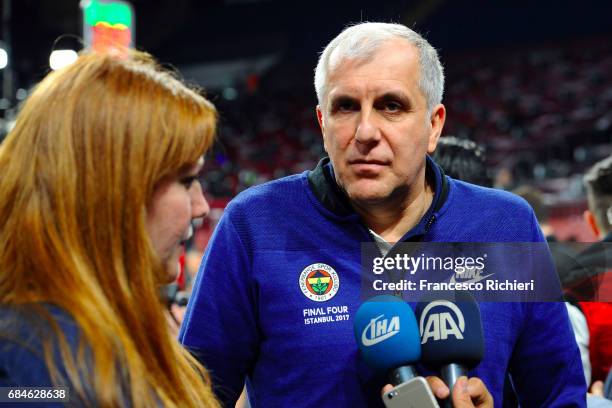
{"x": 531, "y": 81}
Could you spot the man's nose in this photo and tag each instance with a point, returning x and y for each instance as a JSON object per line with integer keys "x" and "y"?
{"x": 367, "y": 131}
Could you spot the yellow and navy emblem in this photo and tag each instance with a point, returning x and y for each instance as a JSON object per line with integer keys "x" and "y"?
{"x": 319, "y": 282}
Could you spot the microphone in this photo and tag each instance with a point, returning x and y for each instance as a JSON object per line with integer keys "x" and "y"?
{"x": 451, "y": 335}
{"x": 388, "y": 337}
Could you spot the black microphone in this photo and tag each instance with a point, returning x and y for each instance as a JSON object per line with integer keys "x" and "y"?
{"x": 451, "y": 335}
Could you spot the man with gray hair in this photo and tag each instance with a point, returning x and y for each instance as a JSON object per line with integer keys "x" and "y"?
{"x": 280, "y": 281}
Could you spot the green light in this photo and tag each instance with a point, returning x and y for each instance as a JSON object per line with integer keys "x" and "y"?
{"x": 109, "y": 12}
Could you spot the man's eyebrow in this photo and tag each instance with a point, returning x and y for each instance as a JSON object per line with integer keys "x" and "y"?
{"x": 389, "y": 95}
{"x": 395, "y": 95}
{"x": 342, "y": 97}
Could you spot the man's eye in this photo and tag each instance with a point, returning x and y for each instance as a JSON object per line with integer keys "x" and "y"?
{"x": 345, "y": 106}
{"x": 392, "y": 107}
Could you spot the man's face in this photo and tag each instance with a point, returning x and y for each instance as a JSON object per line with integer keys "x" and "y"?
{"x": 375, "y": 124}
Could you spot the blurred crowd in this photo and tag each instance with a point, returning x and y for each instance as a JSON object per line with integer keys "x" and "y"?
{"x": 542, "y": 114}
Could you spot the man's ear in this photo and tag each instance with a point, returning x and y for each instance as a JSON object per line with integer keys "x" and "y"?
{"x": 320, "y": 119}
{"x": 437, "y": 118}
{"x": 589, "y": 218}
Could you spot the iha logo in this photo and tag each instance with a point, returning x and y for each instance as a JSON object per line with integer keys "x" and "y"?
{"x": 319, "y": 282}
{"x": 442, "y": 324}
{"x": 380, "y": 330}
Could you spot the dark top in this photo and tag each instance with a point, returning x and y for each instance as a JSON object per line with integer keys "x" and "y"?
{"x": 22, "y": 334}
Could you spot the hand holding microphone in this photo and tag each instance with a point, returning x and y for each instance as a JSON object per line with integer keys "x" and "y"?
{"x": 468, "y": 393}
{"x": 388, "y": 339}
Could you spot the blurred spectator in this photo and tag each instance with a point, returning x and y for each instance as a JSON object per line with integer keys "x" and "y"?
{"x": 600, "y": 395}
{"x": 462, "y": 160}
{"x": 563, "y": 255}
{"x": 591, "y": 280}
{"x": 534, "y": 198}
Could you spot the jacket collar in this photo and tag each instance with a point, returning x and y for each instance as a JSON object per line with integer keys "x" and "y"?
{"x": 323, "y": 184}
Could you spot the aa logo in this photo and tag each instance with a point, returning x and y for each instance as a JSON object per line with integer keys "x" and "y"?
{"x": 447, "y": 321}
{"x": 319, "y": 282}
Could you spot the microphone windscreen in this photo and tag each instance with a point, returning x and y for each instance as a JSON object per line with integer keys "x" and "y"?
{"x": 387, "y": 333}
{"x": 451, "y": 330}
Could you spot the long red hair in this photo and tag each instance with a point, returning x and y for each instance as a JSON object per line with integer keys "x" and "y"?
{"x": 76, "y": 174}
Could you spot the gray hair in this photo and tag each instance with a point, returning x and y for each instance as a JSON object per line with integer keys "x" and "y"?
{"x": 362, "y": 40}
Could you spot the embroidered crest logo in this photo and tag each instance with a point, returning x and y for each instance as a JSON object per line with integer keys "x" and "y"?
{"x": 319, "y": 282}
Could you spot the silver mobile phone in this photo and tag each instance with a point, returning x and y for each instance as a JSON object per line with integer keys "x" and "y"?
{"x": 412, "y": 394}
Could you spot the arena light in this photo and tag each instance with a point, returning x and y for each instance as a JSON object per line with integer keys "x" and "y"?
{"x": 62, "y": 58}
{"x": 3, "y": 58}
